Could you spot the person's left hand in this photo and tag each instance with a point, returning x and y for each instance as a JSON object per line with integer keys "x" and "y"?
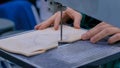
{"x": 54, "y": 20}
{"x": 102, "y": 30}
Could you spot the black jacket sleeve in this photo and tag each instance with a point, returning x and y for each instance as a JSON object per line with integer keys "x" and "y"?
{"x": 89, "y": 22}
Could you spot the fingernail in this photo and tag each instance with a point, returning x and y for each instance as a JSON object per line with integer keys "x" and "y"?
{"x": 84, "y": 37}
{"x": 40, "y": 28}
{"x": 77, "y": 27}
{"x": 93, "y": 40}
{"x": 110, "y": 42}
{"x": 56, "y": 28}
{"x": 36, "y": 27}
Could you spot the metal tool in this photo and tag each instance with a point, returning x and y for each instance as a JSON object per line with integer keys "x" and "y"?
{"x": 61, "y": 8}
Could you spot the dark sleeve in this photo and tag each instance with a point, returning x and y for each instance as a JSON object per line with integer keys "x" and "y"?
{"x": 88, "y": 22}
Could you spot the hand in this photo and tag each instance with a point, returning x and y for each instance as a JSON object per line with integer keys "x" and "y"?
{"x": 102, "y": 30}
{"x": 55, "y": 19}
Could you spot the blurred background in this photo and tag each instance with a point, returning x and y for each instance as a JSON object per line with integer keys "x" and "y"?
{"x": 17, "y": 16}
{"x": 21, "y": 15}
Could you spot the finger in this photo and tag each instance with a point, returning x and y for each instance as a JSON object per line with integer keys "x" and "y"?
{"x": 77, "y": 20}
{"x": 46, "y": 23}
{"x": 101, "y": 24}
{"x": 75, "y": 16}
{"x": 65, "y": 17}
{"x": 42, "y": 26}
{"x": 37, "y": 26}
{"x": 57, "y": 21}
{"x": 70, "y": 12}
{"x": 94, "y": 31}
{"x": 104, "y": 33}
{"x": 114, "y": 38}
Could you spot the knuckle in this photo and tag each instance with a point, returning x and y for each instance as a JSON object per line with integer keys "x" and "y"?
{"x": 101, "y": 23}
{"x": 107, "y": 30}
{"x": 78, "y": 14}
{"x": 117, "y": 36}
{"x": 99, "y": 28}
{"x": 89, "y": 33}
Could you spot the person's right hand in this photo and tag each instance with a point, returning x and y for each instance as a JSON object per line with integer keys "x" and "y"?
{"x": 101, "y": 31}
{"x": 55, "y": 19}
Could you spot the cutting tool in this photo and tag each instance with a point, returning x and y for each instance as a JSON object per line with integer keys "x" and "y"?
{"x": 61, "y": 8}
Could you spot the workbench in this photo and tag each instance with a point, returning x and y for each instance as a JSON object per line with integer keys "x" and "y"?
{"x": 77, "y": 54}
